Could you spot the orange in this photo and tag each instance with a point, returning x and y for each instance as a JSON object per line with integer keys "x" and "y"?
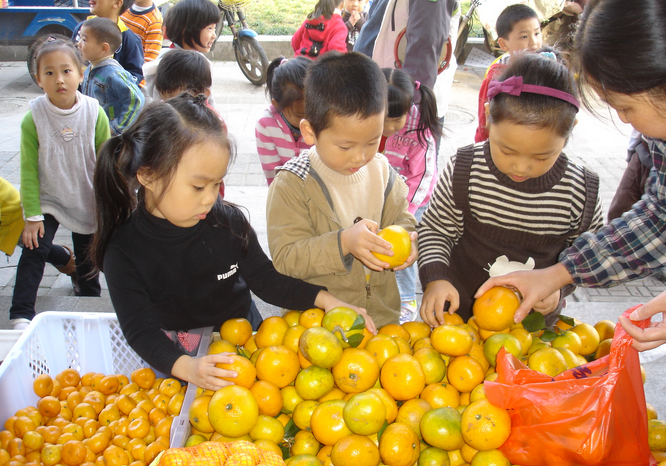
{"x": 292, "y": 317}
{"x": 22, "y": 425}
{"x": 320, "y": 347}
{"x": 268, "y": 446}
{"x": 657, "y": 435}
{"x": 356, "y": 371}
{"x": 290, "y": 398}
{"x": 382, "y": 347}
{"x": 33, "y": 440}
{"x": 56, "y": 389}
{"x": 221, "y": 346}
{"x": 495, "y": 309}
{"x": 364, "y": 413}
{"x": 233, "y": 411}
{"x": 115, "y": 456}
{"x": 399, "y": 445}
{"x": 163, "y": 427}
{"x": 524, "y": 337}
{"x": 16, "y": 447}
{"x": 451, "y": 340}
{"x": 465, "y": 373}
{"x": 417, "y": 330}
{"x": 311, "y": 318}
{"x": 302, "y": 414}
{"x": 389, "y": 403}
{"x": 42, "y": 385}
{"x": 493, "y": 344}
{"x": 236, "y": 331}
{"x": 440, "y": 395}
{"x": 402, "y": 376}
{"x": 477, "y": 353}
{"x": 490, "y": 458}
{"x": 440, "y": 428}
{"x": 271, "y": 332}
{"x": 267, "y": 428}
{"x": 395, "y": 330}
{"x": 651, "y": 412}
{"x": 74, "y": 399}
{"x": 305, "y": 443}
{"x": 603, "y": 349}
{"x": 569, "y": 340}
{"x": 327, "y": 422}
{"x": 340, "y": 321}
{"x": 73, "y": 453}
{"x": 138, "y": 428}
{"x": 168, "y": 387}
{"x": 400, "y": 244}
{"x": 355, "y": 450}
{"x": 278, "y": 365}
{"x": 411, "y": 412}
{"x": 434, "y": 367}
{"x": 432, "y": 456}
{"x": 589, "y": 338}
{"x": 474, "y": 333}
{"x": 51, "y": 455}
{"x": 302, "y": 460}
{"x": 548, "y": 361}
{"x": 570, "y": 358}
{"x": 292, "y": 337}
{"x": 268, "y": 396}
{"x": 108, "y": 415}
{"x": 250, "y": 345}
{"x": 314, "y": 382}
{"x": 152, "y": 451}
{"x": 97, "y": 443}
{"x": 245, "y": 370}
{"x": 403, "y": 345}
{"x": 69, "y": 378}
{"x": 605, "y": 329}
{"x": 325, "y": 455}
{"x": 109, "y": 385}
{"x": 143, "y": 378}
{"x": 485, "y": 426}
{"x": 422, "y": 343}
{"x": 49, "y": 406}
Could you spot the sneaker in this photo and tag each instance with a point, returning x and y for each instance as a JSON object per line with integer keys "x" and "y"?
{"x": 20, "y": 323}
{"x": 407, "y": 311}
{"x": 70, "y": 269}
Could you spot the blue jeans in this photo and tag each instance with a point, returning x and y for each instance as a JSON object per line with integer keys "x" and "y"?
{"x": 406, "y": 278}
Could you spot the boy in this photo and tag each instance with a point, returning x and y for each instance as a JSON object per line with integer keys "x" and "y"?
{"x": 145, "y": 20}
{"x": 325, "y": 206}
{"x": 518, "y": 28}
{"x": 130, "y": 53}
{"x": 105, "y": 79}
{"x": 354, "y": 17}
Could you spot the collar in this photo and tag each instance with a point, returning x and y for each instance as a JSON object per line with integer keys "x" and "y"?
{"x": 294, "y": 130}
{"x": 96, "y": 63}
{"x": 119, "y": 22}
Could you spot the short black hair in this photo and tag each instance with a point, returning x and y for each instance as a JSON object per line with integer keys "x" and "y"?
{"x": 125, "y": 6}
{"x": 285, "y": 80}
{"x": 340, "y": 84}
{"x": 512, "y": 15}
{"x": 185, "y": 20}
{"x": 182, "y": 70}
{"x": 104, "y": 30}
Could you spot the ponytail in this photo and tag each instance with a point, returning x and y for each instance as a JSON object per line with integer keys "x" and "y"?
{"x": 428, "y": 115}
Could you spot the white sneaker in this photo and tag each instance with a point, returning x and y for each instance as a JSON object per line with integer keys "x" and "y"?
{"x": 20, "y": 323}
{"x": 407, "y": 311}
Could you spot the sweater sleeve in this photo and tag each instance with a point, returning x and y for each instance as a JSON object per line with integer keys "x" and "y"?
{"x": 439, "y": 230}
{"x": 266, "y": 147}
{"x": 30, "y": 167}
{"x": 102, "y": 130}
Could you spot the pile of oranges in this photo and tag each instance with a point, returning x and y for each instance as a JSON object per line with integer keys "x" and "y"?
{"x": 407, "y": 395}
{"x": 93, "y": 420}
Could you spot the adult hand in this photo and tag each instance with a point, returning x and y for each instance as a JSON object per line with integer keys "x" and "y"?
{"x": 361, "y": 241}
{"x": 31, "y": 234}
{"x": 655, "y": 334}
{"x": 548, "y": 305}
{"x": 435, "y": 297}
{"x": 202, "y": 371}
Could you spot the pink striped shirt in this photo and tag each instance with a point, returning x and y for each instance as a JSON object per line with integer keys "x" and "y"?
{"x": 275, "y": 142}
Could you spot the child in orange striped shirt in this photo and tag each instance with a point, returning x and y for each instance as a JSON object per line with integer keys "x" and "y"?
{"x": 145, "y": 20}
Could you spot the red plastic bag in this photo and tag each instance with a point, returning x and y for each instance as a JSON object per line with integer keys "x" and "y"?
{"x": 592, "y": 415}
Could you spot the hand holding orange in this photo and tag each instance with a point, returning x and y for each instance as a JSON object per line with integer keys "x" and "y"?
{"x": 400, "y": 243}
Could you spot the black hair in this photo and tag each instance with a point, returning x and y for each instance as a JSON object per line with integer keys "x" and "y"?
{"x": 285, "y": 80}
{"x": 617, "y": 48}
{"x": 61, "y": 45}
{"x": 537, "y": 110}
{"x": 104, "y": 30}
{"x": 324, "y": 8}
{"x": 155, "y": 142}
{"x": 125, "y": 6}
{"x": 340, "y": 84}
{"x": 401, "y": 98}
{"x": 510, "y": 16}
{"x": 183, "y": 70}
{"x": 186, "y": 19}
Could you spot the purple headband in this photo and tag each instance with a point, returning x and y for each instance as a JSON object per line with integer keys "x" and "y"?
{"x": 514, "y": 86}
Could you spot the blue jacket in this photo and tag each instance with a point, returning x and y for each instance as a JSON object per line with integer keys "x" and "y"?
{"x": 115, "y": 90}
{"x": 130, "y": 53}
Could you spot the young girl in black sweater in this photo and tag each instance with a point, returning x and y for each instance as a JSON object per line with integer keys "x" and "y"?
{"x": 175, "y": 256}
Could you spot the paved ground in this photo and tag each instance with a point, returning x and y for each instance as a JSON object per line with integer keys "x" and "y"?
{"x": 599, "y": 144}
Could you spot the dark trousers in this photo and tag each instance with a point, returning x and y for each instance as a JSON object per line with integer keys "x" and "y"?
{"x": 30, "y": 269}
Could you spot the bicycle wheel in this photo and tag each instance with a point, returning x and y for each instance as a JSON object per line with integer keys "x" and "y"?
{"x": 252, "y": 59}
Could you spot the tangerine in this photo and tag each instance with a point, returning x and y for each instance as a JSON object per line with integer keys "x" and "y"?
{"x": 411, "y": 412}
{"x": 485, "y": 426}
{"x": 236, "y": 331}
{"x": 432, "y": 456}
{"x": 569, "y": 340}
{"x": 42, "y": 385}
{"x": 402, "y": 376}
{"x": 327, "y": 422}
{"x": 490, "y": 458}
{"x": 548, "y": 361}
{"x": 278, "y": 365}
{"x": 73, "y": 453}
{"x": 69, "y": 378}
{"x": 389, "y": 403}
{"x": 314, "y": 382}
{"x": 399, "y": 445}
{"x": 267, "y": 428}
{"x": 495, "y": 309}
{"x": 305, "y": 443}
{"x": 271, "y": 332}
{"x": 340, "y": 321}
{"x": 233, "y": 411}
{"x": 441, "y": 428}
{"x": 268, "y": 396}
{"x": 501, "y": 340}
{"x": 451, "y": 340}
{"x": 400, "y": 244}
{"x": 396, "y": 331}
{"x": 440, "y": 395}
{"x": 605, "y": 329}
{"x": 49, "y": 406}
{"x": 303, "y": 413}
{"x": 320, "y": 347}
{"x": 465, "y": 373}
{"x": 246, "y": 373}
{"x": 356, "y": 371}
{"x": 434, "y": 367}
{"x": 292, "y": 337}
{"x": 292, "y": 317}
{"x": 589, "y": 338}
{"x": 354, "y": 450}
{"x": 311, "y": 318}
{"x": 364, "y": 413}
{"x": 382, "y": 347}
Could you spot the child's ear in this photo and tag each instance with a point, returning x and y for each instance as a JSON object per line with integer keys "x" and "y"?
{"x": 106, "y": 48}
{"x": 145, "y": 179}
{"x": 207, "y": 92}
{"x": 502, "y": 44}
{"x": 274, "y": 103}
{"x": 486, "y": 109}
{"x": 118, "y": 5}
{"x": 307, "y": 132}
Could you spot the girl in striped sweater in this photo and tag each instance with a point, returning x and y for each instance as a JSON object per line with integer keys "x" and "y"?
{"x": 515, "y": 195}
{"x": 278, "y": 131}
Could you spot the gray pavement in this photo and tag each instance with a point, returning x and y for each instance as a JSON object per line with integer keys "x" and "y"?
{"x": 596, "y": 143}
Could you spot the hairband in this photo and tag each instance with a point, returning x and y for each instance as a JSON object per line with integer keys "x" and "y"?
{"x": 283, "y": 61}
{"x": 417, "y": 84}
{"x": 514, "y": 86}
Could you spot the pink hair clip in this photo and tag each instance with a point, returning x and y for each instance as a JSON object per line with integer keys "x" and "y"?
{"x": 514, "y": 86}
{"x": 283, "y": 61}
{"x": 417, "y": 84}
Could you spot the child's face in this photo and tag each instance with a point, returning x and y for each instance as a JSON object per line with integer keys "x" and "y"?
{"x": 295, "y": 112}
{"x": 59, "y": 75}
{"x": 525, "y": 35}
{"x": 207, "y": 38}
{"x": 354, "y": 5}
{"x": 105, "y": 8}
{"x": 92, "y": 49}
{"x": 524, "y": 152}
{"x": 194, "y": 187}
{"x": 638, "y": 110}
{"x": 349, "y": 143}
{"x": 394, "y": 125}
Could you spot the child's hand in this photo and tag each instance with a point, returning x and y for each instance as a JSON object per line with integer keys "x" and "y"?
{"x": 327, "y": 301}
{"x": 412, "y": 255}
{"x": 31, "y": 234}
{"x": 202, "y": 371}
{"x": 435, "y": 296}
{"x": 548, "y": 305}
{"x": 361, "y": 240}
{"x": 355, "y": 16}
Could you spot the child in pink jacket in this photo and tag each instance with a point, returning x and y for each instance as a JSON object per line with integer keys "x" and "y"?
{"x": 324, "y": 30}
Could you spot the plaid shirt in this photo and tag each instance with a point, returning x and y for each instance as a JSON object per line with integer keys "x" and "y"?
{"x": 630, "y": 247}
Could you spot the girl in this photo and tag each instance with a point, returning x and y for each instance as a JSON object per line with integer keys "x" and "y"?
{"x": 278, "y": 131}
{"x": 408, "y": 142}
{"x": 60, "y": 136}
{"x": 324, "y": 30}
{"x": 515, "y": 197}
{"x": 189, "y": 25}
{"x": 175, "y": 256}
{"x": 624, "y": 74}
{"x": 354, "y": 17}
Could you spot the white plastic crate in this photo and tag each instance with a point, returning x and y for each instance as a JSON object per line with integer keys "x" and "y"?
{"x": 8, "y": 339}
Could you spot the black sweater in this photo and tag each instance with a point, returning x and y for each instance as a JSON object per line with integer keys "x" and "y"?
{"x": 164, "y": 277}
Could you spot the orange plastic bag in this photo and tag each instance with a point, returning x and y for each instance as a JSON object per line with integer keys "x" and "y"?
{"x": 592, "y": 415}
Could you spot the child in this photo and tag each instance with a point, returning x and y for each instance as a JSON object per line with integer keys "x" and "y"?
{"x": 145, "y": 20}
{"x": 278, "y": 131}
{"x": 130, "y": 53}
{"x": 516, "y": 195}
{"x": 324, "y": 30}
{"x": 104, "y": 79}
{"x": 408, "y": 142}
{"x": 518, "y": 28}
{"x": 175, "y": 256}
{"x": 354, "y": 18}
{"x": 60, "y": 136}
{"x": 634, "y": 84}
{"x": 325, "y": 206}
{"x": 189, "y": 25}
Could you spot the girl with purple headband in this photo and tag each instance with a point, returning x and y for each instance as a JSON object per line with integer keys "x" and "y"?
{"x": 512, "y": 202}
